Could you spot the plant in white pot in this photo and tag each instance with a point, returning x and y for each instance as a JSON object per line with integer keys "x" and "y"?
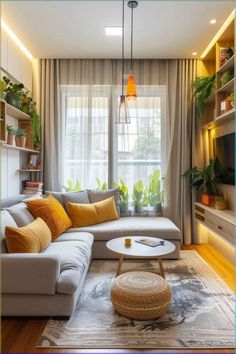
{"x": 10, "y": 134}
{"x": 138, "y": 195}
{"x": 20, "y": 137}
{"x": 124, "y": 197}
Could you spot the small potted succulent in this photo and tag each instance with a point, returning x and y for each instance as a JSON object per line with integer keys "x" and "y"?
{"x": 20, "y": 137}
{"x": 10, "y": 134}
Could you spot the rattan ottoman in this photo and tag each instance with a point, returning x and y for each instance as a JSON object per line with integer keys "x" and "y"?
{"x": 141, "y": 295}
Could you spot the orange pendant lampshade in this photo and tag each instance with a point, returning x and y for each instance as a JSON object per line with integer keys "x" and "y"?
{"x": 131, "y": 92}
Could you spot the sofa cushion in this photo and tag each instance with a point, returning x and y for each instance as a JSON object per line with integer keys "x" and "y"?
{"x": 5, "y": 220}
{"x": 72, "y": 197}
{"x": 133, "y": 226}
{"x": 32, "y": 238}
{"x": 97, "y": 195}
{"x": 76, "y": 236}
{"x": 74, "y": 259}
{"x": 21, "y": 213}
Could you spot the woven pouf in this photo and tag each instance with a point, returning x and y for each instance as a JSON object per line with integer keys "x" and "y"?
{"x": 140, "y": 295}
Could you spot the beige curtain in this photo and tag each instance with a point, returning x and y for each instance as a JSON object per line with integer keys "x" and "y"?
{"x": 179, "y": 136}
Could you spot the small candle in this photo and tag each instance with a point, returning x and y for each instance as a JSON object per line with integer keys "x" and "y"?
{"x": 128, "y": 242}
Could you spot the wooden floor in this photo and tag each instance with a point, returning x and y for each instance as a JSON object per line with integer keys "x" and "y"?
{"x": 21, "y": 334}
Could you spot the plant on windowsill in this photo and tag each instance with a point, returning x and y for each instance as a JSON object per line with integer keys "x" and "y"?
{"x": 138, "y": 196}
{"x": 72, "y": 187}
{"x": 154, "y": 192}
{"x": 208, "y": 177}
{"x": 101, "y": 186}
{"x": 10, "y": 134}
{"x": 203, "y": 88}
{"x": 124, "y": 197}
{"x": 20, "y": 137}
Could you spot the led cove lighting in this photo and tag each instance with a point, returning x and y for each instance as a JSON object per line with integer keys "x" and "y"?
{"x": 212, "y": 21}
{"x": 113, "y": 31}
{"x": 16, "y": 40}
{"x": 194, "y": 53}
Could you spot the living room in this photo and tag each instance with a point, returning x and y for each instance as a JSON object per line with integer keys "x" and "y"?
{"x": 117, "y": 176}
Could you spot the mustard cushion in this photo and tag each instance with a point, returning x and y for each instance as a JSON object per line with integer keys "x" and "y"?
{"x": 52, "y": 212}
{"x": 33, "y": 238}
{"x": 91, "y": 214}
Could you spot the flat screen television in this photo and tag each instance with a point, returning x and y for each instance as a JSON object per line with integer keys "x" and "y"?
{"x": 224, "y": 150}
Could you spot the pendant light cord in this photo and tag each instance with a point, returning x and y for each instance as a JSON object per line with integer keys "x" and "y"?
{"x": 131, "y": 56}
{"x": 123, "y": 46}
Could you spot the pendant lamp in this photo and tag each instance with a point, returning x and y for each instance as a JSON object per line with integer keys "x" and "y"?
{"x": 123, "y": 116}
{"x": 131, "y": 91}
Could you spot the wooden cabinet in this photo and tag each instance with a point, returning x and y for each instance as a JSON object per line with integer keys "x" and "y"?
{"x": 221, "y": 222}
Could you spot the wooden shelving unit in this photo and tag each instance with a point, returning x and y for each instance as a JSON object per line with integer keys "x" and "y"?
{"x": 28, "y": 170}
{"x": 13, "y": 147}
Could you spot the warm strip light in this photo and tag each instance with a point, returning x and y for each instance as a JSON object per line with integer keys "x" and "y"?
{"x": 16, "y": 40}
{"x": 218, "y": 34}
{"x": 113, "y": 31}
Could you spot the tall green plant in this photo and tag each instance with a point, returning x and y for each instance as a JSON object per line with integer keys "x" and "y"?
{"x": 138, "y": 193}
{"x": 154, "y": 188}
{"x": 101, "y": 185}
{"x": 123, "y": 191}
{"x": 202, "y": 89}
{"x": 72, "y": 187}
{"x": 209, "y": 177}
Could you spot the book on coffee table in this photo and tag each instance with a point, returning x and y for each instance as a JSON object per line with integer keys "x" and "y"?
{"x": 151, "y": 243}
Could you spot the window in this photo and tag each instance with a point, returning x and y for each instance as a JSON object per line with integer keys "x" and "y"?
{"x": 98, "y": 151}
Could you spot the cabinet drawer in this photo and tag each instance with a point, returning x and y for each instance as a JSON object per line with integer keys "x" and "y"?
{"x": 222, "y": 227}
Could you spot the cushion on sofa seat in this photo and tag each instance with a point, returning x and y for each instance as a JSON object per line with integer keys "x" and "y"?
{"x": 133, "y": 226}
{"x": 76, "y": 236}
{"x": 74, "y": 259}
{"x": 5, "y": 220}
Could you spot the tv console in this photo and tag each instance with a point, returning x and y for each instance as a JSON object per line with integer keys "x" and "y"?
{"x": 221, "y": 222}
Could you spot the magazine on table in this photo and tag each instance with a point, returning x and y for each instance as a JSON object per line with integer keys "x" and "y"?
{"x": 151, "y": 243}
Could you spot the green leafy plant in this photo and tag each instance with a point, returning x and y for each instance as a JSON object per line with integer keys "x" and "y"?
{"x": 138, "y": 193}
{"x": 11, "y": 87}
{"x": 10, "y": 130}
{"x": 226, "y": 77}
{"x": 208, "y": 177}
{"x": 123, "y": 191}
{"x": 101, "y": 186}
{"x": 3, "y": 87}
{"x": 154, "y": 188}
{"x": 20, "y": 132}
{"x": 72, "y": 187}
{"x": 202, "y": 89}
{"x": 36, "y": 127}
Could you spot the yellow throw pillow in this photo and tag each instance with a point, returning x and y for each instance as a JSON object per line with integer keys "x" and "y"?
{"x": 33, "y": 238}
{"x": 52, "y": 212}
{"x": 106, "y": 210}
{"x": 90, "y": 214}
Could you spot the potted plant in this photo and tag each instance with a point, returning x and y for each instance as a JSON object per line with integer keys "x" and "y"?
{"x": 154, "y": 192}
{"x": 10, "y": 134}
{"x": 226, "y": 77}
{"x": 72, "y": 187}
{"x": 20, "y": 137}
{"x": 102, "y": 186}
{"x": 3, "y": 87}
{"x": 124, "y": 197}
{"x": 202, "y": 89}
{"x": 208, "y": 177}
{"x": 137, "y": 195}
{"x": 231, "y": 99}
{"x": 14, "y": 92}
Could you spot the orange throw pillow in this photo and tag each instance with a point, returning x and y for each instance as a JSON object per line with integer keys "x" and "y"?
{"x": 52, "y": 212}
{"x": 90, "y": 214}
{"x": 33, "y": 238}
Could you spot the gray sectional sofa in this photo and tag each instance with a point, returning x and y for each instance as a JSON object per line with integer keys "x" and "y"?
{"x": 49, "y": 283}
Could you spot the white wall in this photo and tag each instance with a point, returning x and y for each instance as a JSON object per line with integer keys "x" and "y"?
{"x": 15, "y": 63}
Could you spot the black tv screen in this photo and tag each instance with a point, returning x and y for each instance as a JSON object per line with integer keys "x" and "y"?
{"x": 224, "y": 150}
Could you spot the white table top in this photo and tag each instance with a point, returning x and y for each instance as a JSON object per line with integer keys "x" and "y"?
{"x": 139, "y": 250}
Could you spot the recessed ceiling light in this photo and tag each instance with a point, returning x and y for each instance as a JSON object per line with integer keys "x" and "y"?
{"x": 113, "y": 31}
{"x": 213, "y": 21}
{"x": 194, "y": 53}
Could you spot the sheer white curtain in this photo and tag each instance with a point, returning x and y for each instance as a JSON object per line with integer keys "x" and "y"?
{"x": 85, "y": 117}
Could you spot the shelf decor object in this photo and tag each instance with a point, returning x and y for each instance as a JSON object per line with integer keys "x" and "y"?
{"x": 123, "y": 115}
{"x": 131, "y": 91}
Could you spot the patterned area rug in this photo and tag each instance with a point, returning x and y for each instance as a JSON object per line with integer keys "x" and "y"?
{"x": 201, "y": 315}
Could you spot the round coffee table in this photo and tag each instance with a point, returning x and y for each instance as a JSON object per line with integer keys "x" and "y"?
{"x": 139, "y": 250}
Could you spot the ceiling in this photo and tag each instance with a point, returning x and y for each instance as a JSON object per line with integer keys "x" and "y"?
{"x": 75, "y": 29}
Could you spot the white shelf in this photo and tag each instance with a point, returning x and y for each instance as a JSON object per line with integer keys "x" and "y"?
{"x": 13, "y": 147}
{"x": 26, "y": 170}
{"x": 227, "y": 116}
{"x": 229, "y": 87}
{"x": 226, "y": 214}
{"x": 15, "y": 112}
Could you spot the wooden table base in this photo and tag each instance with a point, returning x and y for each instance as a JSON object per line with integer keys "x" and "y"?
{"x": 162, "y": 273}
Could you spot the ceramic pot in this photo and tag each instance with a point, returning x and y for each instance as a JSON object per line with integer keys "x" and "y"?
{"x": 17, "y": 140}
{"x": 124, "y": 208}
{"x": 220, "y": 204}
{"x": 207, "y": 199}
{"x": 13, "y": 99}
{"x": 138, "y": 208}
{"x": 22, "y": 141}
{"x": 10, "y": 139}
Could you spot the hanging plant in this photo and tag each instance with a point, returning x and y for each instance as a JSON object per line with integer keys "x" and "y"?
{"x": 36, "y": 127}
{"x": 203, "y": 88}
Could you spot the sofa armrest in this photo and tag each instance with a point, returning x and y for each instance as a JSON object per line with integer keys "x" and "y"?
{"x": 27, "y": 273}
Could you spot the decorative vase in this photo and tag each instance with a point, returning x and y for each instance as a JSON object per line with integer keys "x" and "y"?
{"x": 22, "y": 141}
{"x": 10, "y": 139}
{"x": 207, "y": 199}
{"x": 220, "y": 204}
{"x": 13, "y": 99}
{"x": 17, "y": 140}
